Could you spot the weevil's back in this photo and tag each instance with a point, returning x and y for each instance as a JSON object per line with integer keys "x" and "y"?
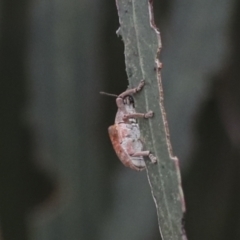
{"x": 125, "y": 138}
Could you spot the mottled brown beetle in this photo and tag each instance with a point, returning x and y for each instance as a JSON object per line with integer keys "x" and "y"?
{"x": 125, "y": 133}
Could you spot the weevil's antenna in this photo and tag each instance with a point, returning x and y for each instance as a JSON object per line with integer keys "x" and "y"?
{"x": 109, "y": 94}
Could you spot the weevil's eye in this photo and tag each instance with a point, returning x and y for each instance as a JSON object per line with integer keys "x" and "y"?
{"x": 131, "y": 100}
{"x": 128, "y": 100}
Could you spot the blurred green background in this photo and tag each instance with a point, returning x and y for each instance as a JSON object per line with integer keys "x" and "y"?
{"x": 59, "y": 176}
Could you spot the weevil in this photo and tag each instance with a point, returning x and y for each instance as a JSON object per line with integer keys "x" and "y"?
{"x": 125, "y": 133}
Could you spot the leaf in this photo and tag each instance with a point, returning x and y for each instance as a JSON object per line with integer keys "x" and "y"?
{"x": 142, "y": 47}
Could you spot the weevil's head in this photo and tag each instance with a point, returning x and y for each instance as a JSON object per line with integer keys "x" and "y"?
{"x": 128, "y": 100}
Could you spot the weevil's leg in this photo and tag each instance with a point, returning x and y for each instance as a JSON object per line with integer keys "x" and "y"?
{"x": 145, "y": 154}
{"x": 149, "y": 114}
{"x": 141, "y": 154}
{"x": 133, "y": 90}
{"x": 152, "y": 158}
